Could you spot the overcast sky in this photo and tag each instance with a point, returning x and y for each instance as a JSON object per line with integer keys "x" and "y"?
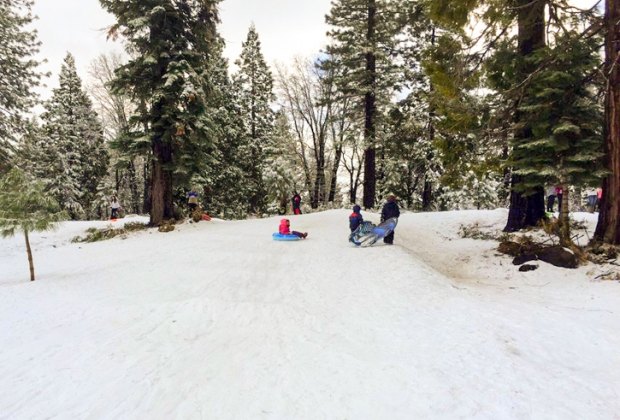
{"x": 286, "y": 28}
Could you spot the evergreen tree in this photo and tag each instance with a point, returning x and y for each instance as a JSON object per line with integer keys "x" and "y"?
{"x": 225, "y": 182}
{"x": 281, "y": 174}
{"x": 170, "y": 42}
{"x": 363, "y": 40}
{"x": 566, "y": 144}
{"x": 75, "y": 158}
{"x": 18, "y": 72}
{"x": 26, "y": 207}
{"x": 254, "y": 84}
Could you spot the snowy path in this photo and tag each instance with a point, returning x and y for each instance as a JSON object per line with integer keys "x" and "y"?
{"x": 216, "y": 321}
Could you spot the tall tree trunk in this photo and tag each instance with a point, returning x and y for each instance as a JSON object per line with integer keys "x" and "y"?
{"x": 370, "y": 109}
{"x": 565, "y": 239}
{"x": 161, "y": 184}
{"x": 608, "y": 227}
{"x": 527, "y": 211}
{"x": 427, "y": 193}
{"x": 29, "y": 252}
{"x": 147, "y": 176}
{"x": 133, "y": 186}
{"x": 334, "y": 175}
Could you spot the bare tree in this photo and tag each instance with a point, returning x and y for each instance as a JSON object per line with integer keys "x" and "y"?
{"x": 130, "y": 173}
{"x": 303, "y": 91}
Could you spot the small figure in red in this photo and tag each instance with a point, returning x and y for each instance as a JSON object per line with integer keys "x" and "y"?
{"x": 285, "y": 229}
{"x": 296, "y": 203}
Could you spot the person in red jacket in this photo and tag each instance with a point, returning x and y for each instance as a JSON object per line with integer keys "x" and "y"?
{"x": 285, "y": 229}
{"x": 296, "y": 200}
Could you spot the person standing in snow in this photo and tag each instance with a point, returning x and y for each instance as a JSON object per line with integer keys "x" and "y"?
{"x": 550, "y": 198}
{"x": 558, "y": 194}
{"x": 591, "y": 197}
{"x": 115, "y": 207}
{"x": 296, "y": 200}
{"x": 285, "y": 229}
{"x": 355, "y": 219}
{"x": 599, "y": 197}
{"x": 390, "y": 209}
{"x": 192, "y": 201}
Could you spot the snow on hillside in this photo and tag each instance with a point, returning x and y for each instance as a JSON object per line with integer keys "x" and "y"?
{"x": 217, "y": 321}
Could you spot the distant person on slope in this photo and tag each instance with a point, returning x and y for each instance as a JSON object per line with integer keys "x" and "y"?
{"x": 558, "y": 193}
{"x": 192, "y": 201}
{"x": 355, "y": 219}
{"x": 115, "y": 207}
{"x": 550, "y": 198}
{"x": 592, "y": 198}
{"x": 390, "y": 209}
{"x": 285, "y": 229}
{"x": 296, "y": 200}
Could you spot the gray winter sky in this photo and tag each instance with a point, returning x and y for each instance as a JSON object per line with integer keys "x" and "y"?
{"x": 287, "y": 28}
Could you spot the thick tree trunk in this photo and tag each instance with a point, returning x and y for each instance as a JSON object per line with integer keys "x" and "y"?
{"x": 427, "y": 193}
{"x": 147, "y": 171}
{"x": 161, "y": 185}
{"x": 29, "y": 252}
{"x": 334, "y": 175}
{"x": 608, "y": 228}
{"x": 527, "y": 211}
{"x": 370, "y": 108}
{"x": 565, "y": 239}
{"x": 133, "y": 186}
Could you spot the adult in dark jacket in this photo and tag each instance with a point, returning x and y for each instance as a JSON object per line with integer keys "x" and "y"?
{"x": 390, "y": 209}
{"x": 355, "y": 219}
{"x": 296, "y": 200}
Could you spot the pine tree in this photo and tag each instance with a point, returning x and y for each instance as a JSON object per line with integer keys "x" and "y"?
{"x": 254, "y": 84}
{"x": 26, "y": 207}
{"x": 170, "y": 42}
{"x": 225, "y": 182}
{"x": 281, "y": 174}
{"x": 75, "y": 158}
{"x": 18, "y": 72}
{"x": 565, "y": 147}
{"x": 363, "y": 40}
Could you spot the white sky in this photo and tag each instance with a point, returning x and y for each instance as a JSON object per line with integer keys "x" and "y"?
{"x": 286, "y": 28}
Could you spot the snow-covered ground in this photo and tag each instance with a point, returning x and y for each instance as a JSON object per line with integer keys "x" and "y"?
{"x": 217, "y": 321}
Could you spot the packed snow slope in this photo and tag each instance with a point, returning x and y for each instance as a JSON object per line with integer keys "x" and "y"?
{"x": 217, "y": 321}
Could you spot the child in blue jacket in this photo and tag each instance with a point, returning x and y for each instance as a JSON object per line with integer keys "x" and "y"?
{"x": 355, "y": 219}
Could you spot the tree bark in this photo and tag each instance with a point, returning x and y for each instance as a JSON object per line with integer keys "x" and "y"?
{"x": 29, "y": 252}
{"x": 565, "y": 239}
{"x": 427, "y": 193}
{"x": 527, "y": 211}
{"x": 334, "y": 175}
{"x": 161, "y": 184}
{"x": 608, "y": 227}
{"x": 370, "y": 108}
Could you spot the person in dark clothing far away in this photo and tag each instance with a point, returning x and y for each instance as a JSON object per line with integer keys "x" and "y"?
{"x": 296, "y": 203}
{"x": 390, "y": 209}
{"x": 355, "y": 219}
{"x": 192, "y": 201}
{"x": 115, "y": 207}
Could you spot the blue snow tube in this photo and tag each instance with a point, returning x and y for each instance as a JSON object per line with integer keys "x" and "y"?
{"x": 280, "y": 237}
